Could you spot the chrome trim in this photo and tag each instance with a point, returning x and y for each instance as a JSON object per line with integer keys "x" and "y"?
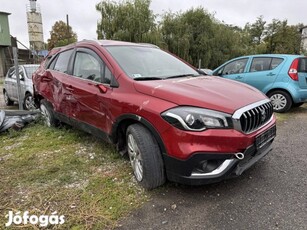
{"x": 258, "y": 106}
{"x": 222, "y": 168}
{"x": 182, "y": 122}
{"x": 240, "y": 111}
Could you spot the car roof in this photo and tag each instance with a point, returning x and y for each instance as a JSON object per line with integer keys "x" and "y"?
{"x": 56, "y": 50}
{"x": 272, "y": 55}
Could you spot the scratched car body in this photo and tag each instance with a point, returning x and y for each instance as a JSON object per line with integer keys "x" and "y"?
{"x": 172, "y": 122}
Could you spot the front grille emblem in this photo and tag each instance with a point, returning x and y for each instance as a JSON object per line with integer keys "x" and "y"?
{"x": 263, "y": 115}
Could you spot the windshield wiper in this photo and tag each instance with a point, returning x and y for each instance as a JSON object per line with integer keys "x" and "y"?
{"x": 183, "y": 75}
{"x": 147, "y": 78}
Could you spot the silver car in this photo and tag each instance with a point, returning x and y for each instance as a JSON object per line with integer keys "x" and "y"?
{"x": 10, "y": 89}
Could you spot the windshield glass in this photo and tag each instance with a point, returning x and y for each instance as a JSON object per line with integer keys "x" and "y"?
{"x": 149, "y": 63}
{"x": 30, "y": 70}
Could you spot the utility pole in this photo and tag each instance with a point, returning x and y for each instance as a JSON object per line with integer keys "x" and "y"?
{"x": 67, "y": 23}
{"x": 15, "y": 55}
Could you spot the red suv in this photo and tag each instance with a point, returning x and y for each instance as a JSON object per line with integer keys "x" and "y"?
{"x": 172, "y": 122}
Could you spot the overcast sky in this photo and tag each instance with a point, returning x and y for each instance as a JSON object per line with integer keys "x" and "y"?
{"x": 83, "y": 16}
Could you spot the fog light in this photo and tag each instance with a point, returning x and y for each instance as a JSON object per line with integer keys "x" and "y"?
{"x": 209, "y": 165}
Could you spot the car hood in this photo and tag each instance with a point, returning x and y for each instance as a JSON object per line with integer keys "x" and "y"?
{"x": 207, "y": 92}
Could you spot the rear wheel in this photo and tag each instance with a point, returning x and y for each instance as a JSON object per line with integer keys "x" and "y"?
{"x": 145, "y": 157}
{"x": 281, "y": 101}
{"x": 7, "y": 99}
{"x": 48, "y": 114}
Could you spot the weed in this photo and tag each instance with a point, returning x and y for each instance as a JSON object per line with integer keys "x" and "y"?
{"x": 43, "y": 170}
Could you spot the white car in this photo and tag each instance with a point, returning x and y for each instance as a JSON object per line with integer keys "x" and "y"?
{"x": 10, "y": 89}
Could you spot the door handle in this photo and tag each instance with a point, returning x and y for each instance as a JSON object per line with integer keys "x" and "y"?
{"x": 70, "y": 89}
{"x": 271, "y": 74}
{"x": 46, "y": 79}
{"x": 238, "y": 77}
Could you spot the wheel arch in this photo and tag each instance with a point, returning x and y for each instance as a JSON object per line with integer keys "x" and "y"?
{"x": 280, "y": 89}
{"x": 120, "y": 126}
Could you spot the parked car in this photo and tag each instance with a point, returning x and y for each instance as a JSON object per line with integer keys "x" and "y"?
{"x": 283, "y": 78}
{"x": 171, "y": 121}
{"x": 205, "y": 71}
{"x": 10, "y": 88}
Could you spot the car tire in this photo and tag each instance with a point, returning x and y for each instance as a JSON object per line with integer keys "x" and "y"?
{"x": 296, "y": 105}
{"x": 28, "y": 102}
{"x": 7, "y": 99}
{"x": 281, "y": 101}
{"x": 48, "y": 114}
{"x": 145, "y": 156}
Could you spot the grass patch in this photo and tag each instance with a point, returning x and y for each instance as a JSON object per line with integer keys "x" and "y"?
{"x": 282, "y": 117}
{"x": 43, "y": 170}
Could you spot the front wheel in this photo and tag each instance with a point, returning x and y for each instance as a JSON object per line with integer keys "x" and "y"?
{"x": 281, "y": 101}
{"x": 145, "y": 157}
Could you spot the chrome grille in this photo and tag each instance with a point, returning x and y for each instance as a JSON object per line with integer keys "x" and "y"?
{"x": 253, "y": 117}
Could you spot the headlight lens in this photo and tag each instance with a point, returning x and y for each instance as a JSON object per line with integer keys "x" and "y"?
{"x": 197, "y": 119}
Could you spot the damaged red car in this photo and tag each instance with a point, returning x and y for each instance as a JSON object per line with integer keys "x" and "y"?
{"x": 173, "y": 122}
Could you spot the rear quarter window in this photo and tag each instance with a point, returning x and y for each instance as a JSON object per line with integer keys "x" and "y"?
{"x": 61, "y": 63}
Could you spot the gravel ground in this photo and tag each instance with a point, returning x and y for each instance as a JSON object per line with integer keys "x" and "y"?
{"x": 271, "y": 195}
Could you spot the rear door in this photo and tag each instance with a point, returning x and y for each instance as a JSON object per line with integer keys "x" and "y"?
{"x": 55, "y": 82}
{"x": 263, "y": 72}
{"x": 302, "y": 73}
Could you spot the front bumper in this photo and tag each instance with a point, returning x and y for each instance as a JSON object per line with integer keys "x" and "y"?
{"x": 188, "y": 171}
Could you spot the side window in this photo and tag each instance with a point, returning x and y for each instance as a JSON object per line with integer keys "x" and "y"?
{"x": 265, "y": 63}
{"x": 88, "y": 67}
{"x": 91, "y": 67}
{"x": 235, "y": 67}
{"x": 61, "y": 63}
{"x": 276, "y": 62}
{"x": 260, "y": 64}
{"x": 11, "y": 72}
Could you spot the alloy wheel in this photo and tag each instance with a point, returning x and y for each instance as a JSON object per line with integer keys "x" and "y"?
{"x": 135, "y": 157}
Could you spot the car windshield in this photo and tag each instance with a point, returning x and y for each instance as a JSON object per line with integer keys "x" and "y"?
{"x": 149, "y": 63}
{"x": 30, "y": 70}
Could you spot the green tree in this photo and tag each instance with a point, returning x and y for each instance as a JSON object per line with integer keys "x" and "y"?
{"x": 196, "y": 35}
{"x": 61, "y": 35}
{"x": 282, "y": 38}
{"x": 131, "y": 20}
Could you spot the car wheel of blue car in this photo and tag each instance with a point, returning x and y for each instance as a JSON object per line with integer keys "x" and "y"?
{"x": 281, "y": 101}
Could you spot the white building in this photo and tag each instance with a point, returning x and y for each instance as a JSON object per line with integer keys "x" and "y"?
{"x": 304, "y": 38}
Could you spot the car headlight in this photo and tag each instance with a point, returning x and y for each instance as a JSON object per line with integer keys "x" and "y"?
{"x": 197, "y": 119}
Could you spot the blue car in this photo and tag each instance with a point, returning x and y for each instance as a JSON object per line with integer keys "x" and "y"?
{"x": 283, "y": 78}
